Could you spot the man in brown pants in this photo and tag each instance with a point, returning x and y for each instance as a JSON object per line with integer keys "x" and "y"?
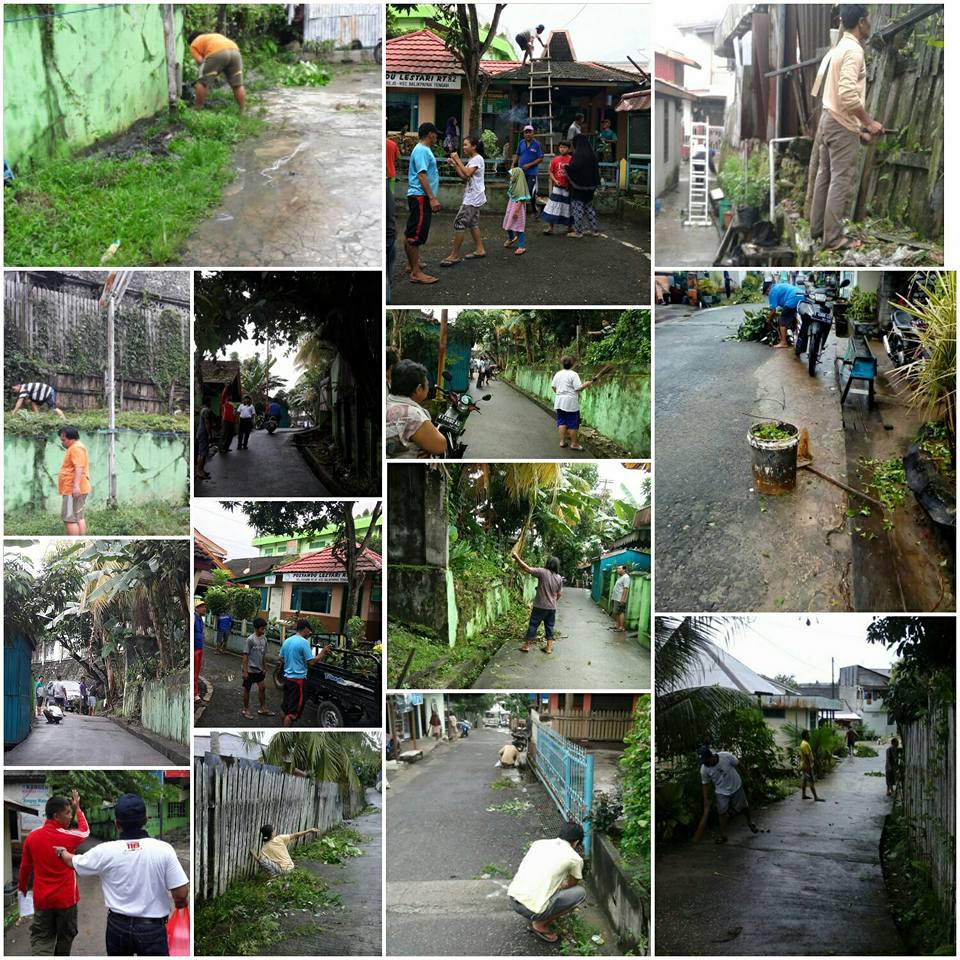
{"x": 843, "y": 79}
{"x": 217, "y": 55}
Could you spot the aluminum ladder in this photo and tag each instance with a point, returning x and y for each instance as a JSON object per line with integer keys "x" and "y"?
{"x": 698, "y": 202}
{"x": 540, "y": 101}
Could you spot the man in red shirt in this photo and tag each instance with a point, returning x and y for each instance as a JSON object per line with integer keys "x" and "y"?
{"x": 55, "y": 890}
{"x": 393, "y": 154}
{"x": 228, "y": 417}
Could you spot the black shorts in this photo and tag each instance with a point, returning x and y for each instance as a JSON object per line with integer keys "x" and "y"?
{"x": 292, "y": 698}
{"x": 419, "y": 215}
{"x": 788, "y": 316}
{"x": 252, "y": 678}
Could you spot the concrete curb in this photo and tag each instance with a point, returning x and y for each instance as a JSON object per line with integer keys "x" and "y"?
{"x": 174, "y": 751}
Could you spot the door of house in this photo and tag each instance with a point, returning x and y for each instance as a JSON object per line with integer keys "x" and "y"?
{"x": 449, "y": 105}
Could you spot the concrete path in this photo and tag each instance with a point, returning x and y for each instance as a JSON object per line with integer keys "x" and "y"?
{"x": 222, "y": 671}
{"x": 722, "y": 546}
{"x": 272, "y": 466}
{"x": 357, "y": 929}
{"x": 587, "y": 655}
{"x": 677, "y": 245}
{"x": 441, "y": 838}
{"x": 81, "y": 741}
{"x": 812, "y": 885}
{"x": 91, "y": 915}
{"x": 511, "y": 426}
{"x": 292, "y": 203}
{"x": 613, "y": 268}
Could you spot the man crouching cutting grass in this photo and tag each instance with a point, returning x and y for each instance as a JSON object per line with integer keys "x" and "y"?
{"x": 217, "y": 55}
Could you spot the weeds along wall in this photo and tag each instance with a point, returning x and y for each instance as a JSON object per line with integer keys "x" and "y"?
{"x": 618, "y": 406}
{"x": 80, "y": 72}
{"x": 235, "y": 797}
{"x": 150, "y": 466}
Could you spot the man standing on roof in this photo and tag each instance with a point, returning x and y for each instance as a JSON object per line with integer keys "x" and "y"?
{"x": 842, "y": 79}
{"x": 55, "y": 890}
{"x": 217, "y": 54}
{"x": 526, "y": 40}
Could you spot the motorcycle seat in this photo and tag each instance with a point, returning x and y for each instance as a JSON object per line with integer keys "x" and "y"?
{"x": 902, "y": 321}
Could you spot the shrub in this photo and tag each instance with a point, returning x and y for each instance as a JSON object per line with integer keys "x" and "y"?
{"x": 218, "y": 599}
{"x": 862, "y": 750}
{"x": 635, "y": 764}
{"x": 244, "y": 602}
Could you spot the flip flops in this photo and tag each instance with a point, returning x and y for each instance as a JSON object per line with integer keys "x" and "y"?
{"x": 474, "y": 256}
{"x": 546, "y": 938}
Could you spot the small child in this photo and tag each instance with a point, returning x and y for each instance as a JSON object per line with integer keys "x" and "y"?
{"x": 515, "y": 219}
{"x": 557, "y": 210}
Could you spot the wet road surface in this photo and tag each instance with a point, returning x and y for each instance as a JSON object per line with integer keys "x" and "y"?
{"x": 298, "y": 199}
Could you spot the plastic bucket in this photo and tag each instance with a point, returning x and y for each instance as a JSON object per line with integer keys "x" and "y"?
{"x": 774, "y": 461}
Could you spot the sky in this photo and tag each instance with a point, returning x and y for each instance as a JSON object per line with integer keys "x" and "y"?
{"x": 783, "y": 643}
{"x": 600, "y": 31}
{"x": 284, "y": 365}
{"x": 231, "y": 530}
{"x": 617, "y": 475}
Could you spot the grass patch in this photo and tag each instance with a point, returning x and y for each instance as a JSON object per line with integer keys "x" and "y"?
{"x": 873, "y": 773}
{"x": 71, "y": 209}
{"x": 576, "y": 936}
{"x": 26, "y": 423}
{"x": 337, "y": 846}
{"x": 10, "y": 915}
{"x": 862, "y": 750}
{"x": 247, "y": 917}
{"x": 515, "y": 808}
{"x": 151, "y": 519}
{"x": 504, "y": 783}
{"x": 491, "y": 870}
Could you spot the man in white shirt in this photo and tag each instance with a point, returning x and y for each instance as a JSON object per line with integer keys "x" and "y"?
{"x": 567, "y": 385}
{"x": 546, "y": 886}
{"x": 720, "y": 769}
{"x": 621, "y": 590}
{"x": 246, "y": 414}
{"x": 575, "y": 128}
{"x": 138, "y": 874}
{"x": 842, "y": 77}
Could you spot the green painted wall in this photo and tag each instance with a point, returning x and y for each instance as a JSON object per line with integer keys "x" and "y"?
{"x": 150, "y": 466}
{"x": 618, "y": 405}
{"x": 70, "y": 80}
{"x": 474, "y": 617}
{"x": 166, "y": 707}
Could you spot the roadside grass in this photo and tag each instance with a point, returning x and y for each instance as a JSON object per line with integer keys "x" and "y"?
{"x": 150, "y": 519}
{"x": 70, "y": 210}
{"x": 247, "y": 917}
{"x": 26, "y": 423}
{"x": 491, "y": 870}
{"x": 503, "y": 783}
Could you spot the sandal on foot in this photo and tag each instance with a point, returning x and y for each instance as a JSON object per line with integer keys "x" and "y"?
{"x": 575, "y": 448}
{"x": 451, "y": 263}
{"x": 474, "y": 256}
{"x": 524, "y": 649}
{"x": 266, "y": 713}
{"x": 510, "y": 243}
{"x": 545, "y": 937}
{"x": 520, "y": 251}
{"x": 247, "y": 714}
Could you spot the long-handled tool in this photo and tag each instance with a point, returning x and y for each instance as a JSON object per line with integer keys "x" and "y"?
{"x": 702, "y": 827}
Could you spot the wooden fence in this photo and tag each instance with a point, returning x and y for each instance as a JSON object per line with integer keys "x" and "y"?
{"x": 77, "y": 392}
{"x": 56, "y": 319}
{"x": 235, "y": 797}
{"x": 597, "y": 725}
{"x": 928, "y": 795}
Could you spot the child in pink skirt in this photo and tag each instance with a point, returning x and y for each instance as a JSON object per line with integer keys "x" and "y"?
{"x": 515, "y": 219}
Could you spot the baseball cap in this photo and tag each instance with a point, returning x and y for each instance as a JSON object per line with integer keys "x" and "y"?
{"x": 704, "y": 754}
{"x": 130, "y": 808}
{"x": 528, "y": 127}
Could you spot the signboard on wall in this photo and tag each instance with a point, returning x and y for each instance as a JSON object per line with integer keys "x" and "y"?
{"x": 315, "y": 577}
{"x": 424, "y": 81}
{"x": 270, "y": 579}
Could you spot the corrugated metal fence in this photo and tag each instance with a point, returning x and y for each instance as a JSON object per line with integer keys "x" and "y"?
{"x": 235, "y": 797}
{"x": 928, "y": 796}
{"x": 346, "y": 24}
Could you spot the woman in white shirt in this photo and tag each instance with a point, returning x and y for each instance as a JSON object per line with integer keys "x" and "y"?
{"x": 567, "y": 386}
{"x": 409, "y": 433}
{"x": 245, "y": 416}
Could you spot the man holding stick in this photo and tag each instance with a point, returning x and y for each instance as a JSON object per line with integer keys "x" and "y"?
{"x": 720, "y": 769}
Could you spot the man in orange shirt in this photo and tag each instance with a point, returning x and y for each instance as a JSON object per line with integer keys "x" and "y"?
{"x": 217, "y": 54}
{"x": 73, "y": 481}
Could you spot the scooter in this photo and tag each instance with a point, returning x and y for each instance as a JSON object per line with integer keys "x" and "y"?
{"x": 520, "y": 741}
{"x": 272, "y": 424}
{"x": 814, "y": 320}
{"x": 903, "y": 339}
{"x": 453, "y": 421}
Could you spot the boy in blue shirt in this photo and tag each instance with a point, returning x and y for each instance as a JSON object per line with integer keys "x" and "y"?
{"x": 423, "y": 185}
{"x": 786, "y": 296}
{"x": 224, "y": 625}
{"x": 296, "y": 655}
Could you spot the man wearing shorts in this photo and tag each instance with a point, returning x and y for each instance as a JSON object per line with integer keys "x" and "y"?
{"x": 423, "y": 184}
{"x": 37, "y": 395}
{"x": 547, "y": 883}
{"x": 621, "y": 590}
{"x": 786, "y": 296}
{"x": 217, "y": 55}
{"x": 73, "y": 482}
{"x": 806, "y": 768}
{"x": 254, "y": 668}
{"x": 526, "y": 40}
{"x": 296, "y": 655}
{"x": 720, "y": 769}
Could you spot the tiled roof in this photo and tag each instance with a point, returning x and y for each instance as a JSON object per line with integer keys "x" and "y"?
{"x": 420, "y": 52}
{"x": 585, "y": 71}
{"x": 207, "y": 546}
{"x": 324, "y": 560}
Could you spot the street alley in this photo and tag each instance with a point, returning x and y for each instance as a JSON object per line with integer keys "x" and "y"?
{"x": 587, "y": 654}
{"x": 81, "y": 741}
{"x": 812, "y": 885}
{"x": 679, "y": 245}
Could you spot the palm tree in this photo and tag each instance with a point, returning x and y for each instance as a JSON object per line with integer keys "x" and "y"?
{"x": 257, "y": 379}
{"x": 325, "y": 756}
{"x": 684, "y": 712}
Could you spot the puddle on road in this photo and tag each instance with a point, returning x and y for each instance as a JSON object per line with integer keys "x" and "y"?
{"x": 301, "y": 195}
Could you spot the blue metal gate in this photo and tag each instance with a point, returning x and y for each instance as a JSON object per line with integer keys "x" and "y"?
{"x": 566, "y": 770}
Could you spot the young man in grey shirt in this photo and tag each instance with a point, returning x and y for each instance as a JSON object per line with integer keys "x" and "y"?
{"x": 254, "y": 669}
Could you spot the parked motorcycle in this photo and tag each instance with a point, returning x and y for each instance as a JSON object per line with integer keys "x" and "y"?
{"x": 520, "y": 741}
{"x": 902, "y": 340}
{"x": 453, "y": 421}
{"x": 272, "y": 424}
{"x": 814, "y": 320}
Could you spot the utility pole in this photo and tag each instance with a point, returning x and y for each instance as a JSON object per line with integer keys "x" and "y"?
{"x": 442, "y": 353}
{"x": 833, "y": 689}
{"x": 113, "y": 290}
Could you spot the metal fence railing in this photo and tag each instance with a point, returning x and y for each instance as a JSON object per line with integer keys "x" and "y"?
{"x": 566, "y": 770}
